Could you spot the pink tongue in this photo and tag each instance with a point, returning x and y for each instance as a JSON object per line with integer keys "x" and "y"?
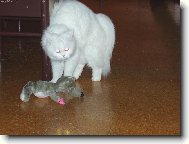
{"x": 61, "y": 101}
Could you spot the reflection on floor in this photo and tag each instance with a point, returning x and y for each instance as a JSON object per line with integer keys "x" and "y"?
{"x": 141, "y": 96}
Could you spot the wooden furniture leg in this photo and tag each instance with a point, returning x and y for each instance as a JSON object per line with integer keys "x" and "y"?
{"x": 1, "y": 45}
{"x": 46, "y": 67}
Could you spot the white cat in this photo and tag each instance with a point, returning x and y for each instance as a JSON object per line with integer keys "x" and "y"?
{"x": 77, "y": 36}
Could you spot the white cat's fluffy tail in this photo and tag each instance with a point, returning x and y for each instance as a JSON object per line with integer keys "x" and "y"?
{"x": 109, "y": 29}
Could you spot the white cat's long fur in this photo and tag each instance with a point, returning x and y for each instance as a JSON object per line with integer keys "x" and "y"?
{"x": 90, "y": 38}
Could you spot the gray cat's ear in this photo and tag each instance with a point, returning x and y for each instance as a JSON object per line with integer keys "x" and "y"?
{"x": 72, "y": 78}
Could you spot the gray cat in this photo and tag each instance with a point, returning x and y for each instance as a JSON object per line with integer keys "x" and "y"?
{"x": 44, "y": 89}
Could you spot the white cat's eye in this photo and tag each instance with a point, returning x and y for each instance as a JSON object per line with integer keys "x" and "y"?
{"x": 57, "y": 51}
{"x": 66, "y": 49}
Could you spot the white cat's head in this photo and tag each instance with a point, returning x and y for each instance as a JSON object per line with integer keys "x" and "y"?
{"x": 58, "y": 45}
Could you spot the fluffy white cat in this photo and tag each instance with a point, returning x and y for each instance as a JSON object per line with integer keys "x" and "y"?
{"x": 77, "y": 36}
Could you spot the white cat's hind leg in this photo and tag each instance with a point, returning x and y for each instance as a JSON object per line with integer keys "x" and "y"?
{"x": 95, "y": 60}
{"x": 96, "y": 74}
{"x": 78, "y": 70}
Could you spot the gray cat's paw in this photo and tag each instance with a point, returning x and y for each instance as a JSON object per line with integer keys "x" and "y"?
{"x": 82, "y": 94}
{"x": 24, "y": 98}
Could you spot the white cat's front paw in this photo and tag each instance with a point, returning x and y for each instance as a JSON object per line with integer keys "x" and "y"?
{"x": 96, "y": 78}
{"x": 76, "y": 76}
{"x": 53, "y": 81}
{"x": 78, "y": 71}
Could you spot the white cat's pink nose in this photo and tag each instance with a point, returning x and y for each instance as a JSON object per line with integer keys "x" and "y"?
{"x": 57, "y": 51}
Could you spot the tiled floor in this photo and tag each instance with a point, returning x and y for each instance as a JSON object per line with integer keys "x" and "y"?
{"x": 141, "y": 96}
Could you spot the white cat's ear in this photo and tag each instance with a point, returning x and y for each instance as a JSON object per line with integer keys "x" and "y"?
{"x": 50, "y": 34}
{"x": 70, "y": 33}
{"x": 47, "y": 38}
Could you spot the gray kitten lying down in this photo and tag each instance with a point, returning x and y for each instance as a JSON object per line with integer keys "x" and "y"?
{"x": 44, "y": 89}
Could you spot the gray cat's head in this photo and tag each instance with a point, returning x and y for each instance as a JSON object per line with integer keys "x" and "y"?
{"x": 67, "y": 84}
{"x": 58, "y": 42}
